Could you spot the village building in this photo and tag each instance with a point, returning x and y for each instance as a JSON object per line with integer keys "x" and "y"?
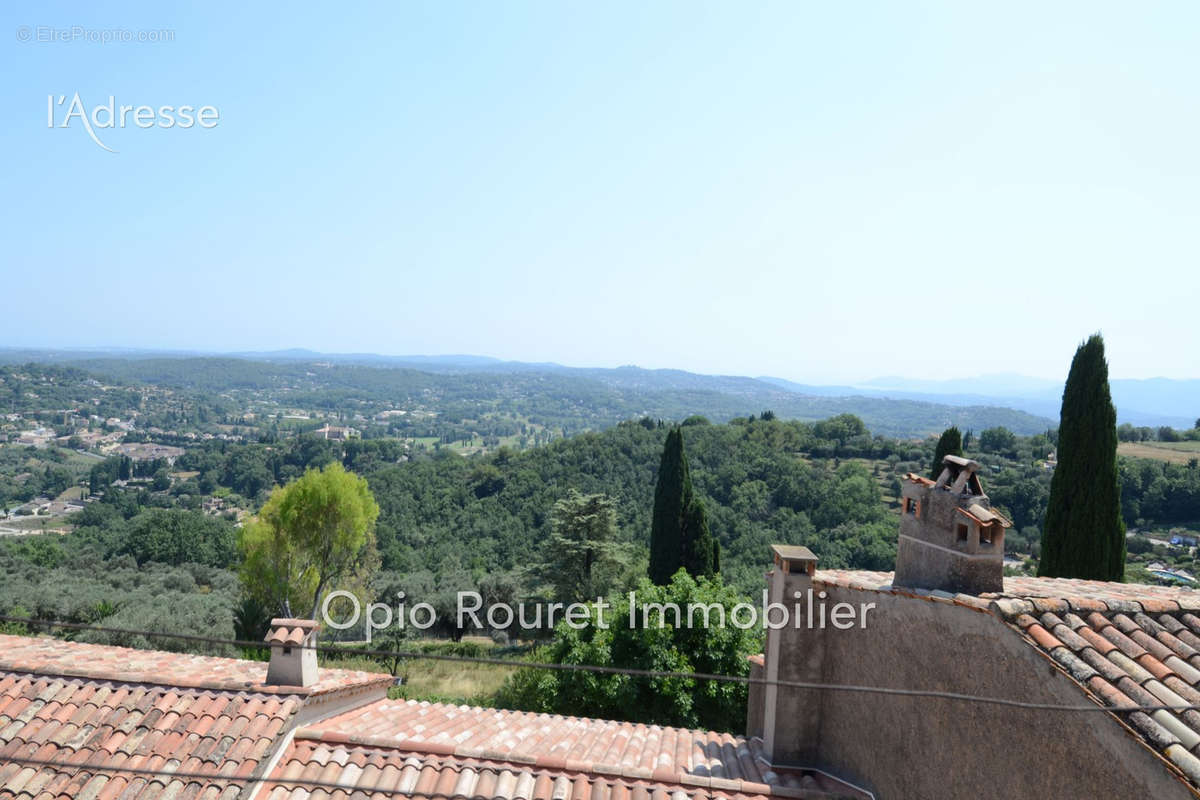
{"x": 148, "y": 451}
{"x": 336, "y": 432}
{"x": 1095, "y": 645}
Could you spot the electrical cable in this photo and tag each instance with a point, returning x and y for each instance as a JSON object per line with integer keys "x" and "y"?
{"x": 630, "y": 671}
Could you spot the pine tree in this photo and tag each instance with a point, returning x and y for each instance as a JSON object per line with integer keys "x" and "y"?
{"x": 679, "y": 534}
{"x": 1084, "y": 535}
{"x": 950, "y": 444}
{"x": 584, "y": 554}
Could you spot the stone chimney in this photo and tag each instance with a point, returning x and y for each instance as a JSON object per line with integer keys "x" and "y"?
{"x": 950, "y": 538}
{"x": 293, "y": 659}
{"x": 785, "y": 720}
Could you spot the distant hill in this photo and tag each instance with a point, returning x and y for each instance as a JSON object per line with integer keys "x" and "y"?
{"x": 567, "y": 397}
{"x": 1004, "y": 384}
{"x": 1153, "y": 401}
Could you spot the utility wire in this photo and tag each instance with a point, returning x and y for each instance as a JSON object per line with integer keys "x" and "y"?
{"x": 645, "y": 673}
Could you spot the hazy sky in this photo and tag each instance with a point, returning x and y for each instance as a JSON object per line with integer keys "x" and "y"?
{"x": 820, "y": 191}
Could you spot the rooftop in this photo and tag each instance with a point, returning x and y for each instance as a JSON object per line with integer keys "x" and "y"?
{"x": 438, "y": 749}
{"x": 46, "y": 656}
{"x": 96, "y": 706}
{"x": 1122, "y": 645}
{"x": 131, "y": 726}
{"x": 99, "y": 706}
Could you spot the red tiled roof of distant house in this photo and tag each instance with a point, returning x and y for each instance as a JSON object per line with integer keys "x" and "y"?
{"x": 1123, "y": 644}
{"x": 47, "y": 656}
{"x": 433, "y": 749}
{"x": 129, "y": 726}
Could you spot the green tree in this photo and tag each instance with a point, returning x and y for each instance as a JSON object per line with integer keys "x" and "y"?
{"x": 1084, "y": 535}
{"x": 701, "y": 552}
{"x": 161, "y": 481}
{"x": 583, "y": 555}
{"x": 317, "y": 530}
{"x": 949, "y": 444}
{"x": 998, "y": 440}
{"x": 251, "y": 621}
{"x": 679, "y": 533}
{"x": 174, "y": 536}
{"x": 685, "y": 702}
{"x": 671, "y": 493}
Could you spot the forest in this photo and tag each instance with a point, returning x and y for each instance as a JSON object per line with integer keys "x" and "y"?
{"x": 450, "y": 521}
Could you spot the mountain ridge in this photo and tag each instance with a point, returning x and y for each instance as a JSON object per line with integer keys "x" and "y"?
{"x": 1150, "y": 402}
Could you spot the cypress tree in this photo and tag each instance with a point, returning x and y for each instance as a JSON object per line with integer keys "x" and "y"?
{"x": 1084, "y": 535}
{"x": 700, "y": 549}
{"x": 666, "y": 528}
{"x": 679, "y": 534}
{"x": 950, "y": 444}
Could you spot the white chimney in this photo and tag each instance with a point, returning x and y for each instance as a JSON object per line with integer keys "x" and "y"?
{"x": 293, "y": 657}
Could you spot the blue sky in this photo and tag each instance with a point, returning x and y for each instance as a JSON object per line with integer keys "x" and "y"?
{"x": 824, "y": 192}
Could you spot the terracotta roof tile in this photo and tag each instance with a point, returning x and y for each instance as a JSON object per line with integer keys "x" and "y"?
{"x": 124, "y": 665}
{"x": 422, "y": 775}
{"x": 115, "y": 727}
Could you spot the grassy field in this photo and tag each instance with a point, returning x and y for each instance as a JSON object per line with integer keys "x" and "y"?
{"x": 1184, "y": 447}
{"x": 1174, "y": 452}
{"x": 462, "y": 683}
{"x": 73, "y": 493}
{"x": 37, "y": 524}
{"x": 444, "y": 681}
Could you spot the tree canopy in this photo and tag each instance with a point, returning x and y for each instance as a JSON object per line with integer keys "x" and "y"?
{"x": 583, "y": 553}
{"x": 1084, "y": 535}
{"x": 684, "y": 702}
{"x": 950, "y": 443}
{"x": 679, "y": 532}
{"x": 315, "y": 531}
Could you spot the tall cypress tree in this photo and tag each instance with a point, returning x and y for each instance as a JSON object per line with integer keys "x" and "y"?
{"x": 700, "y": 550}
{"x": 950, "y": 444}
{"x": 679, "y": 534}
{"x": 1084, "y": 535}
{"x": 666, "y": 528}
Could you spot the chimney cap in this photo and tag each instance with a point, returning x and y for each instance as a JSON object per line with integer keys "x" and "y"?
{"x": 290, "y": 622}
{"x": 792, "y": 554}
{"x": 286, "y": 631}
{"x": 969, "y": 464}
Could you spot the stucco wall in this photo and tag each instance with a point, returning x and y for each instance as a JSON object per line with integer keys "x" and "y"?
{"x": 754, "y": 706}
{"x": 927, "y": 748}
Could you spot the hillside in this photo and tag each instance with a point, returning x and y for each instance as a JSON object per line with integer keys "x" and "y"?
{"x": 762, "y": 481}
{"x": 463, "y": 390}
{"x": 1151, "y": 401}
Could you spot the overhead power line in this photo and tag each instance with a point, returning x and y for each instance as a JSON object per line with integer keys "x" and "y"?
{"x": 630, "y": 671}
